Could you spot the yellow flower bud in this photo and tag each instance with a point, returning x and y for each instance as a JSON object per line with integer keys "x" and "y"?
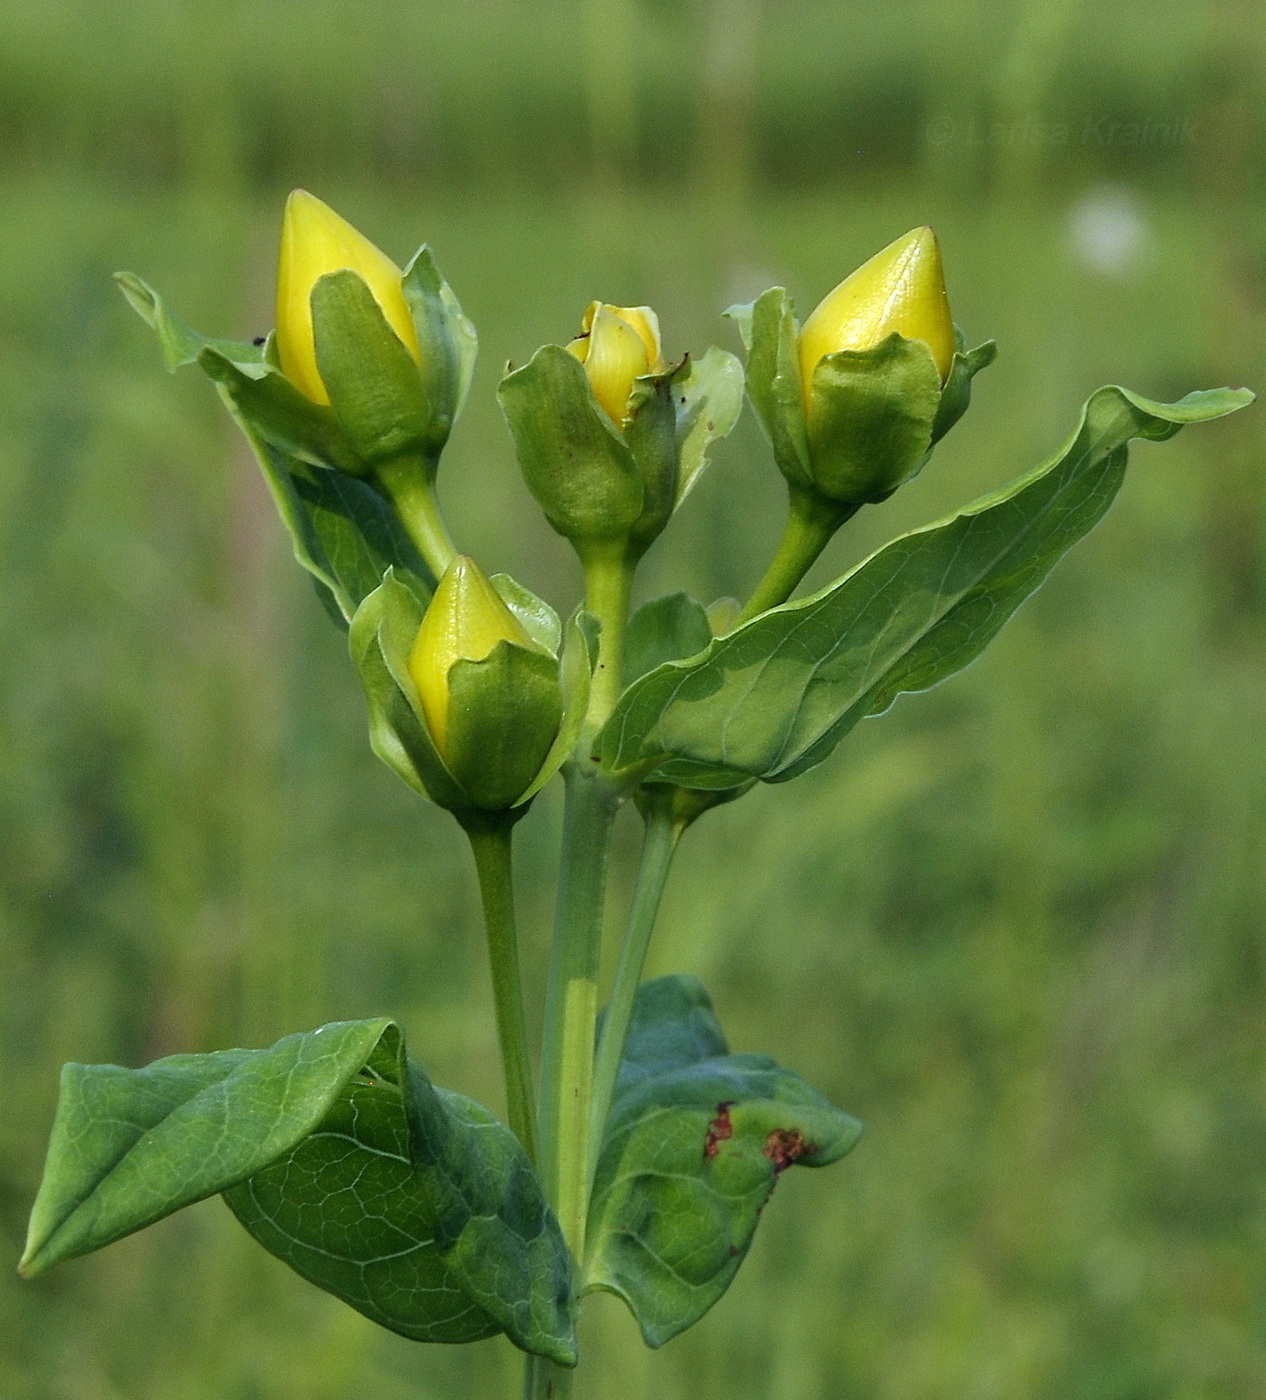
{"x": 316, "y": 241}
{"x": 616, "y": 345}
{"x": 900, "y": 289}
{"x": 465, "y": 620}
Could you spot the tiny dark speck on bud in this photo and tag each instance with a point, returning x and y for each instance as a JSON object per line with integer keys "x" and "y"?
{"x": 260, "y": 340}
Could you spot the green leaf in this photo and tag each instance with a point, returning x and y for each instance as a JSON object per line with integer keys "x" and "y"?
{"x": 415, "y": 1206}
{"x": 380, "y": 639}
{"x": 665, "y": 629}
{"x": 574, "y": 461}
{"x": 774, "y": 697}
{"x": 695, "y": 1144}
{"x": 131, "y": 1146}
{"x": 769, "y": 330}
{"x": 446, "y": 339}
{"x": 708, "y": 399}
{"x": 179, "y": 343}
{"x": 342, "y": 531}
{"x": 870, "y": 419}
{"x": 373, "y": 381}
{"x": 421, "y": 1210}
{"x": 281, "y": 415}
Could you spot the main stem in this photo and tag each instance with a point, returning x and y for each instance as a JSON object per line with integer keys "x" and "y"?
{"x": 490, "y": 842}
{"x": 571, "y": 998}
{"x": 663, "y": 831}
{"x": 810, "y": 524}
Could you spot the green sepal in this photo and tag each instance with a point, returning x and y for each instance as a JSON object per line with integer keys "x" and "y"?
{"x": 707, "y": 401}
{"x": 179, "y": 343}
{"x": 380, "y": 639}
{"x": 956, "y": 395}
{"x": 447, "y": 342}
{"x": 665, "y": 629}
{"x": 280, "y": 414}
{"x": 421, "y": 1210}
{"x": 694, "y": 1146}
{"x": 504, "y": 712}
{"x": 651, "y": 434}
{"x": 773, "y": 698}
{"x": 373, "y": 381}
{"x": 574, "y": 460}
{"x": 534, "y": 614}
{"x": 770, "y": 332}
{"x": 575, "y": 672}
{"x": 870, "y": 419}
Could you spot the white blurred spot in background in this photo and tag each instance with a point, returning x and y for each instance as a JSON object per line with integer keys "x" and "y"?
{"x": 1108, "y": 230}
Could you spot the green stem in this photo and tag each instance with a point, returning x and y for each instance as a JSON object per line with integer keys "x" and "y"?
{"x": 571, "y": 1000}
{"x": 543, "y": 1380}
{"x": 407, "y": 483}
{"x": 608, "y": 580}
{"x": 659, "y": 846}
{"x": 811, "y": 522}
{"x": 490, "y": 842}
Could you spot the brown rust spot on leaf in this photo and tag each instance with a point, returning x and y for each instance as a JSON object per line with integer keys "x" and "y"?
{"x": 719, "y": 1130}
{"x": 787, "y": 1145}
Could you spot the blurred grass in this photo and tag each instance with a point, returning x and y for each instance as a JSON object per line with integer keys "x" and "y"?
{"x": 1016, "y": 926}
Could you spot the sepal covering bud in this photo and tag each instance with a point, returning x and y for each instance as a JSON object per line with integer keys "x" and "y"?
{"x": 855, "y": 400}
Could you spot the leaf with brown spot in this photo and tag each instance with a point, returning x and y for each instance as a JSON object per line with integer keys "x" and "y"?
{"x": 696, "y": 1142}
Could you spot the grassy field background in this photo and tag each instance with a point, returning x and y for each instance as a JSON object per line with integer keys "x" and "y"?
{"x": 1016, "y": 925}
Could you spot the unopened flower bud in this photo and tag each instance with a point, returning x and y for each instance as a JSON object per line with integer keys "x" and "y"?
{"x": 316, "y": 241}
{"x": 900, "y": 289}
{"x": 465, "y": 620}
{"x": 617, "y": 344}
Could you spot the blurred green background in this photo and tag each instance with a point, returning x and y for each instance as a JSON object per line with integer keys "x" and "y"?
{"x": 1016, "y": 926}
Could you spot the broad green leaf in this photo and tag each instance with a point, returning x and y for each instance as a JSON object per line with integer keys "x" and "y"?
{"x": 421, "y": 1210}
{"x": 695, "y": 1144}
{"x": 446, "y": 339}
{"x": 180, "y": 344}
{"x": 131, "y": 1146}
{"x": 342, "y": 531}
{"x": 413, "y": 1205}
{"x": 665, "y": 629}
{"x": 870, "y": 419}
{"x": 708, "y": 399}
{"x": 774, "y": 697}
{"x": 574, "y": 460}
{"x": 769, "y": 330}
{"x": 373, "y": 381}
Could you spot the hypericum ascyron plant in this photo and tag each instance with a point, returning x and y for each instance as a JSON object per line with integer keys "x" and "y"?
{"x": 644, "y": 1164}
